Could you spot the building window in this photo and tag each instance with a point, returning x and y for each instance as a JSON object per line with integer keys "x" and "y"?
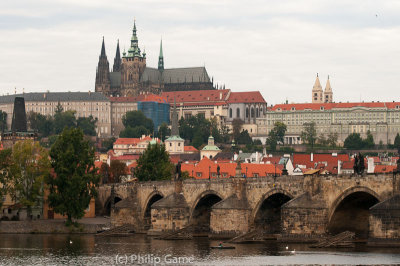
{"x": 230, "y": 112}
{"x": 198, "y": 174}
{"x": 170, "y": 144}
{"x": 237, "y": 112}
{"x": 179, "y": 144}
{"x": 257, "y": 114}
{"x": 252, "y": 112}
{"x": 247, "y": 112}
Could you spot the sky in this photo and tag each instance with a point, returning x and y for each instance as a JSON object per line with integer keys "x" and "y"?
{"x": 274, "y": 46}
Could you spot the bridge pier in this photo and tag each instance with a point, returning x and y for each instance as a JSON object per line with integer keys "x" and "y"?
{"x": 231, "y": 217}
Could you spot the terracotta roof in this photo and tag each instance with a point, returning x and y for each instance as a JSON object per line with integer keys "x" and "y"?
{"x": 228, "y": 169}
{"x": 196, "y": 96}
{"x": 126, "y": 157}
{"x": 190, "y": 148}
{"x": 305, "y": 159}
{"x": 140, "y": 98}
{"x": 246, "y": 97}
{"x": 384, "y": 168}
{"x": 131, "y": 141}
{"x": 329, "y": 106}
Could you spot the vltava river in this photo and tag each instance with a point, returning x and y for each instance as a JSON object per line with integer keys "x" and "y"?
{"x": 25, "y": 249}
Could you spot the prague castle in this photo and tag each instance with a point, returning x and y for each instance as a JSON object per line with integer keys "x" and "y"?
{"x": 130, "y": 75}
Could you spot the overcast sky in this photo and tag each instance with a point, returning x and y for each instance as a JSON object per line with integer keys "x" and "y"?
{"x": 276, "y": 47}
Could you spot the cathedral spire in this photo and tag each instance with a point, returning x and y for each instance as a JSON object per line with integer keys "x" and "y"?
{"x": 103, "y": 50}
{"x": 134, "y": 50}
{"x": 317, "y": 84}
{"x": 161, "y": 58}
{"x": 117, "y": 60}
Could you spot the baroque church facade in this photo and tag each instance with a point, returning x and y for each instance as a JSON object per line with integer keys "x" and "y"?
{"x": 130, "y": 76}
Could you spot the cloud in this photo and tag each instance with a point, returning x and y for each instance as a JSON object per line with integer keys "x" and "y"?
{"x": 273, "y": 46}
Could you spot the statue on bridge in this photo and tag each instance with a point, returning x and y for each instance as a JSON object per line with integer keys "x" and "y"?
{"x": 178, "y": 171}
{"x": 359, "y": 165}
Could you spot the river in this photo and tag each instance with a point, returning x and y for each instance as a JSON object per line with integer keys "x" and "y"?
{"x": 38, "y": 249}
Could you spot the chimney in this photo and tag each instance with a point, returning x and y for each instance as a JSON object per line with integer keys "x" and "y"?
{"x": 371, "y": 166}
{"x": 44, "y": 96}
{"x": 312, "y": 157}
{"x": 220, "y": 95}
{"x": 339, "y": 167}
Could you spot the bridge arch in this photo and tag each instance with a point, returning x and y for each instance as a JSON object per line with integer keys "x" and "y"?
{"x": 200, "y": 212}
{"x": 350, "y": 211}
{"x": 153, "y": 197}
{"x": 107, "y": 204}
{"x": 267, "y": 212}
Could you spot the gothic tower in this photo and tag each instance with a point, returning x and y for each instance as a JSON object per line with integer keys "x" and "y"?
{"x": 103, "y": 72}
{"x": 328, "y": 94}
{"x": 117, "y": 60}
{"x": 317, "y": 93}
{"x": 132, "y": 67}
{"x": 161, "y": 59}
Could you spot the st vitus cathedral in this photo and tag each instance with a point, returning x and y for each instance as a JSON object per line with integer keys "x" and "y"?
{"x": 130, "y": 76}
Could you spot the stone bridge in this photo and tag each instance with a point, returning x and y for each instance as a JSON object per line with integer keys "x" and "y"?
{"x": 295, "y": 207}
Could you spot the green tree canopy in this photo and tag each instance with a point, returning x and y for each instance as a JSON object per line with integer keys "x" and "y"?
{"x": 244, "y": 138}
{"x": 30, "y": 165}
{"x": 276, "y": 135}
{"x": 40, "y": 123}
{"x": 107, "y": 144}
{"x": 134, "y": 132}
{"x": 137, "y": 118}
{"x": 87, "y": 124}
{"x": 397, "y": 141}
{"x": 309, "y": 133}
{"x": 63, "y": 120}
{"x": 369, "y": 141}
{"x": 354, "y": 142}
{"x": 237, "y": 128}
{"x": 154, "y": 164}
{"x": 164, "y": 131}
{"x": 75, "y": 180}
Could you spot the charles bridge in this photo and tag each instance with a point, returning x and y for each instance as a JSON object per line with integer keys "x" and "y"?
{"x": 295, "y": 208}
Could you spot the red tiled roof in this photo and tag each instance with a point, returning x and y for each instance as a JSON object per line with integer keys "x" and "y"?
{"x": 206, "y": 165}
{"x": 305, "y": 159}
{"x": 140, "y": 98}
{"x": 131, "y": 141}
{"x": 126, "y": 157}
{"x": 196, "y": 96}
{"x": 190, "y": 148}
{"x": 246, "y": 97}
{"x": 272, "y": 160}
{"x": 329, "y": 106}
{"x": 348, "y": 164}
{"x": 384, "y": 168}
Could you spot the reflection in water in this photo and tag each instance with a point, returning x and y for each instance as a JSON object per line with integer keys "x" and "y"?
{"x": 25, "y": 249}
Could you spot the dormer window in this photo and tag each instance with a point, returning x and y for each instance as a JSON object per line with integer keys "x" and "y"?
{"x": 322, "y": 108}
{"x": 293, "y": 109}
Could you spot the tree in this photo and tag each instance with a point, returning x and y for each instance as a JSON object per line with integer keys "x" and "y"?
{"x": 40, "y": 123}
{"x": 5, "y": 163}
{"x": 397, "y": 141}
{"x": 75, "y": 180}
{"x": 134, "y": 132}
{"x": 197, "y": 140}
{"x": 104, "y": 173}
{"x": 63, "y": 120}
{"x": 369, "y": 141}
{"x": 107, "y": 144}
{"x": 30, "y": 165}
{"x": 137, "y": 118}
{"x": 322, "y": 140}
{"x": 164, "y": 131}
{"x": 244, "y": 138}
{"x": 3, "y": 121}
{"x": 332, "y": 139}
{"x": 117, "y": 170}
{"x": 353, "y": 142}
{"x": 87, "y": 124}
{"x": 154, "y": 164}
{"x": 236, "y": 128}
{"x": 276, "y": 135}
{"x": 309, "y": 134}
